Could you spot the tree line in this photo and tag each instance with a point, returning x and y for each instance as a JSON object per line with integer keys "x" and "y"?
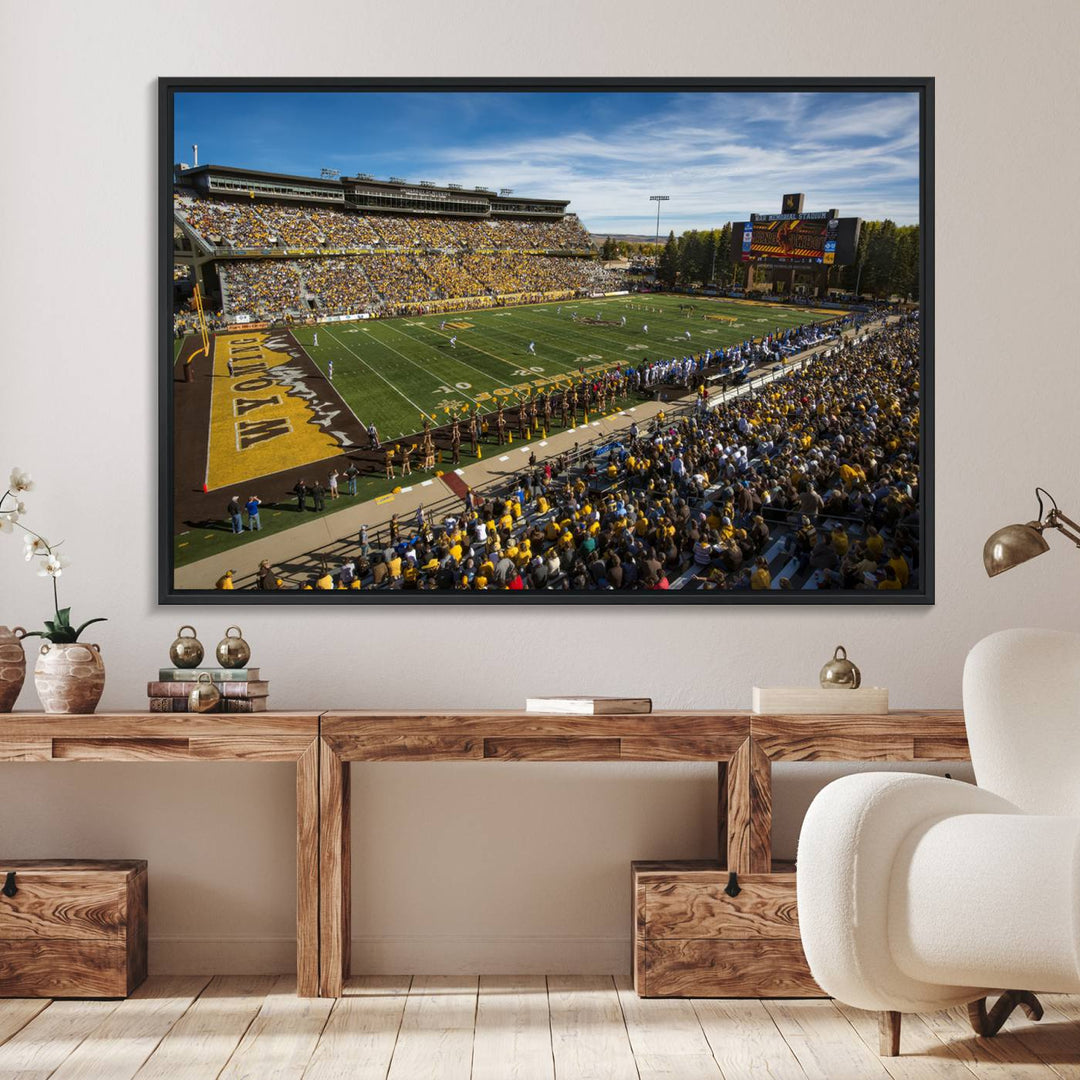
{"x": 886, "y": 261}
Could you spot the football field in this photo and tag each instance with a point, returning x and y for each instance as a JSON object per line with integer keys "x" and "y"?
{"x": 393, "y": 372}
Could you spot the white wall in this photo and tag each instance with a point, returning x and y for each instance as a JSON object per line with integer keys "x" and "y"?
{"x": 494, "y": 867}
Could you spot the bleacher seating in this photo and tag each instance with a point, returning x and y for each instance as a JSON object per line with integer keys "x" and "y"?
{"x": 240, "y": 223}
{"x": 320, "y": 260}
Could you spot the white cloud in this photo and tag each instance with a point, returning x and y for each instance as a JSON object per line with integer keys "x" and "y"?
{"x": 718, "y": 157}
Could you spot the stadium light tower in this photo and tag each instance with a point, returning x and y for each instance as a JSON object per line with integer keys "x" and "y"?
{"x": 658, "y": 199}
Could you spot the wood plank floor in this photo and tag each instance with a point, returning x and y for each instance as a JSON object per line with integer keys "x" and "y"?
{"x": 525, "y": 1027}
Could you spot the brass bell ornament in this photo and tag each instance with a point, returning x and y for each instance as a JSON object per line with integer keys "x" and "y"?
{"x": 186, "y": 652}
{"x": 233, "y": 652}
{"x": 840, "y": 673}
{"x": 204, "y": 696}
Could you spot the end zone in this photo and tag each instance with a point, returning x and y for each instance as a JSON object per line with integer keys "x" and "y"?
{"x": 271, "y": 409}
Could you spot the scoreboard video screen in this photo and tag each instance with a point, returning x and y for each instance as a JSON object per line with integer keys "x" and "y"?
{"x": 789, "y": 239}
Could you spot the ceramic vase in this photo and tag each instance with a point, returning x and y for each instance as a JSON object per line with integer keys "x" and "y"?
{"x": 69, "y": 678}
{"x": 12, "y": 666}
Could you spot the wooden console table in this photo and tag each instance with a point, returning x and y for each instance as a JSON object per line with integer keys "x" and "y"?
{"x": 269, "y": 736}
{"x": 742, "y": 744}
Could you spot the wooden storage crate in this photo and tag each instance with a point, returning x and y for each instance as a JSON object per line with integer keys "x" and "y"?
{"x": 72, "y": 928}
{"x": 691, "y": 939}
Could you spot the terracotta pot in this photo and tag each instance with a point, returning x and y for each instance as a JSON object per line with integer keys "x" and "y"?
{"x": 69, "y": 678}
{"x": 12, "y": 666}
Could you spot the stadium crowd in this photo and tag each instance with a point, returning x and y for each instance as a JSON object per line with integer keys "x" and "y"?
{"x": 267, "y": 288}
{"x": 392, "y": 283}
{"x": 248, "y": 223}
{"x": 337, "y": 283}
{"x": 220, "y": 222}
{"x": 314, "y": 226}
{"x": 405, "y": 263}
{"x": 813, "y": 477}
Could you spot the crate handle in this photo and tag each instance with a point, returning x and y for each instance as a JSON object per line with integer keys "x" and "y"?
{"x": 732, "y": 887}
{"x": 9, "y": 884}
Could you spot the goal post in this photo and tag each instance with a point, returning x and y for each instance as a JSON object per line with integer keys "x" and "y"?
{"x": 204, "y": 337}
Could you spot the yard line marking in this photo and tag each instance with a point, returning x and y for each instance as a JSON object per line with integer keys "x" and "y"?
{"x": 544, "y": 443}
{"x": 464, "y": 363}
{"x": 505, "y": 457}
{"x": 475, "y": 348}
{"x": 523, "y": 449}
{"x": 426, "y": 483}
{"x": 460, "y": 472}
{"x": 340, "y": 395}
{"x": 572, "y": 350}
{"x": 420, "y": 367}
{"x": 422, "y": 411}
{"x": 405, "y": 491}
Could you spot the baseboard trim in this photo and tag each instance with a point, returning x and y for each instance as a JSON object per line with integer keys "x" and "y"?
{"x": 183, "y": 955}
{"x": 446, "y": 954}
{"x": 431, "y": 954}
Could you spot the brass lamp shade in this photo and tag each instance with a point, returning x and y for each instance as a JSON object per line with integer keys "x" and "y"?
{"x": 1012, "y": 545}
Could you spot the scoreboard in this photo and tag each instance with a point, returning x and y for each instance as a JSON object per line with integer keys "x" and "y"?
{"x": 792, "y": 239}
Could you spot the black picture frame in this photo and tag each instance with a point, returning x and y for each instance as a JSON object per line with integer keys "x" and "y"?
{"x": 168, "y": 595}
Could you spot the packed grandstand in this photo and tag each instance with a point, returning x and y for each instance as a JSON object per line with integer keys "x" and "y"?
{"x": 809, "y": 483}
{"x": 261, "y": 258}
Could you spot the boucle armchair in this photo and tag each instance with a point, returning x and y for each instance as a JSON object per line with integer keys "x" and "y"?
{"x": 919, "y": 893}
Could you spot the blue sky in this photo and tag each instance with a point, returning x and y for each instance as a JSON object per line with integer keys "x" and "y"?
{"x": 718, "y": 155}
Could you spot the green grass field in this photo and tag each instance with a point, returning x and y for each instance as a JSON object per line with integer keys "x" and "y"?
{"x": 393, "y": 371}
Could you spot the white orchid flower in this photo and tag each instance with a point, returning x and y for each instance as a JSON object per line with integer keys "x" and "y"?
{"x": 34, "y": 545}
{"x": 7, "y": 520}
{"x": 20, "y": 481}
{"x": 53, "y": 566}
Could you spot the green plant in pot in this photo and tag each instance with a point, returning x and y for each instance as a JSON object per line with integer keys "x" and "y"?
{"x": 69, "y": 674}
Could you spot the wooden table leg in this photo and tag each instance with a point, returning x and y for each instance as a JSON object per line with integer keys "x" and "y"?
{"x": 749, "y": 810}
{"x": 722, "y": 813}
{"x": 307, "y": 872}
{"x": 334, "y": 872}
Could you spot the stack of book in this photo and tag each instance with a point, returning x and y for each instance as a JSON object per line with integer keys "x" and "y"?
{"x": 241, "y": 689}
{"x": 588, "y": 706}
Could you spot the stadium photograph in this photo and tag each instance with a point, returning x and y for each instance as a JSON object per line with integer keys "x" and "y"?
{"x": 573, "y": 343}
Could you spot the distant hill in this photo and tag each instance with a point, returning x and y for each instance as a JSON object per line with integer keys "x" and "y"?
{"x": 628, "y": 238}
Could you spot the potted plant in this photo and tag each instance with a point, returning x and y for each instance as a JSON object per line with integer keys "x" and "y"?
{"x": 69, "y": 674}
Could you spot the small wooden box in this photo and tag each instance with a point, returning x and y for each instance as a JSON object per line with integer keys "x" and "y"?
{"x": 72, "y": 928}
{"x": 691, "y": 939}
{"x": 817, "y": 701}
